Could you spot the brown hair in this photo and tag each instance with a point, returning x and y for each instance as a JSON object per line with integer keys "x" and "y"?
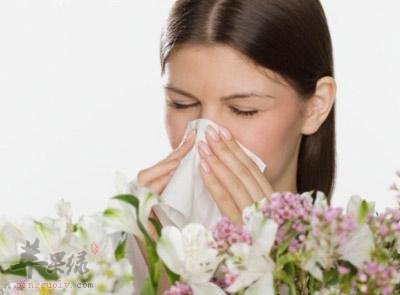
{"x": 289, "y": 37}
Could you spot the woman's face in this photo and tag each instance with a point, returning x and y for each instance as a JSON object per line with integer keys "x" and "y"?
{"x": 220, "y": 84}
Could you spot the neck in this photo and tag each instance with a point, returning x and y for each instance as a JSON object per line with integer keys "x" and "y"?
{"x": 287, "y": 183}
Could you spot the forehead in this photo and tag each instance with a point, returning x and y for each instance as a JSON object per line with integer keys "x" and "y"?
{"x": 218, "y": 68}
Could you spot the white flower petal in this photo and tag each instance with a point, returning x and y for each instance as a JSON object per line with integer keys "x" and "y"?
{"x": 321, "y": 201}
{"x": 265, "y": 285}
{"x": 10, "y": 238}
{"x": 354, "y": 204}
{"x": 248, "y": 265}
{"x": 358, "y": 246}
{"x": 256, "y": 269}
{"x": 307, "y": 196}
{"x": 120, "y": 216}
{"x": 146, "y": 202}
{"x": 397, "y": 243}
{"x": 206, "y": 288}
{"x": 310, "y": 265}
{"x": 264, "y": 236}
{"x": 170, "y": 248}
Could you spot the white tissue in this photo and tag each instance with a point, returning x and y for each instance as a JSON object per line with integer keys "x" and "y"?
{"x": 185, "y": 198}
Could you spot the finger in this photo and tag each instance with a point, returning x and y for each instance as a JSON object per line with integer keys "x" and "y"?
{"x": 183, "y": 148}
{"x": 150, "y": 174}
{"x": 232, "y": 162}
{"x": 158, "y": 185}
{"x": 232, "y": 144}
{"x": 221, "y": 196}
{"x": 229, "y": 180}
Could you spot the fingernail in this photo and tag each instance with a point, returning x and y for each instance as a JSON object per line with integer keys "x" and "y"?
{"x": 225, "y": 133}
{"x": 212, "y": 133}
{"x": 204, "y": 167}
{"x": 172, "y": 172}
{"x": 190, "y": 135}
{"x": 204, "y": 147}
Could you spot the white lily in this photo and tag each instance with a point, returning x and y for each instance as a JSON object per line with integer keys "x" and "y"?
{"x": 188, "y": 253}
{"x": 354, "y": 207}
{"x": 10, "y": 238}
{"x": 252, "y": 263}
{"x": 52, "y": 233}
{"x": 360, "y": 243}
{"x": 121, "y": 216}
{"x": 356, "y": 248}
{"x": 91, "y": 232}
{"x": 320, "y": 201}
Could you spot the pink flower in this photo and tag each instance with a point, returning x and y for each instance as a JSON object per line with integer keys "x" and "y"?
{"x": 226, "y": 233}
{"x": 379, "y": 278}
{"x": 284, "y": 207}
{"x": 225, "y": 278}
{"x": 343, "y": 270}
{"x": 179, "y": 289}
{"x": 386, "y": 226}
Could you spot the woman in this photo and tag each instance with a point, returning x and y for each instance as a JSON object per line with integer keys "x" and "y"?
{"x": 262, "y": 69}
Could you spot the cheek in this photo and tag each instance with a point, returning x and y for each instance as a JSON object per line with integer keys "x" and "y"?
{"x": 273, "y": 138}
{"x": 175, "y": 125}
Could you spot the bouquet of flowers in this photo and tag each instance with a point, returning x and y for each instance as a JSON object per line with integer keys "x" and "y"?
{"x": 286, "y": 244}
{"x": 57, "y": 256}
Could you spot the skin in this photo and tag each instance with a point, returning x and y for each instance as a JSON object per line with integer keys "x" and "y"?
{"x": 200, "y": 77}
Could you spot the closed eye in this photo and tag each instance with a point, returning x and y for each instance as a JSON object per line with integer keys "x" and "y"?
{"x": 233, "y": 109}
{"x": 243, "y": 113}
{"x": 181, "y": 106}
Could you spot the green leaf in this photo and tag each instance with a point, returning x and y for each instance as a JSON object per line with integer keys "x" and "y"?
{"x": 20, "y": 270}
{"x": 148, "y": 288}
{"x": 130, "y": 199}
{"x": 120, "y": 250}
{"x": 154, "y": 261}
{"x": 49, "y": 276}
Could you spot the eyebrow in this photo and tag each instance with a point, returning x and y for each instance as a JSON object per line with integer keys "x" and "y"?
{"x": 224, "y": 98}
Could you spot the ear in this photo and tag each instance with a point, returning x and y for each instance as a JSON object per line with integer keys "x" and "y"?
{"x": 319, "y": 105}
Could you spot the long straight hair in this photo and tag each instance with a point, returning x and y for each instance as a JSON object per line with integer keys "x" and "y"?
{"x": 290, "y": 37}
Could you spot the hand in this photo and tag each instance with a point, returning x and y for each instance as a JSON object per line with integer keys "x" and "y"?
{"x": 157, "y": 176}
{"x": 230, "y": 175}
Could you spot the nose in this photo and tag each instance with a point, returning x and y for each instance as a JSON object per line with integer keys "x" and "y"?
{"x": 212, "y": 115}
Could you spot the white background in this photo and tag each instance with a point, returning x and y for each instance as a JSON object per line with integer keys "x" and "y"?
{"x": 80, "y": 98}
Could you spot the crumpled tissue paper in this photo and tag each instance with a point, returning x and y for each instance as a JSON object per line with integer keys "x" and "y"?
{"x": 185, "y": 199}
